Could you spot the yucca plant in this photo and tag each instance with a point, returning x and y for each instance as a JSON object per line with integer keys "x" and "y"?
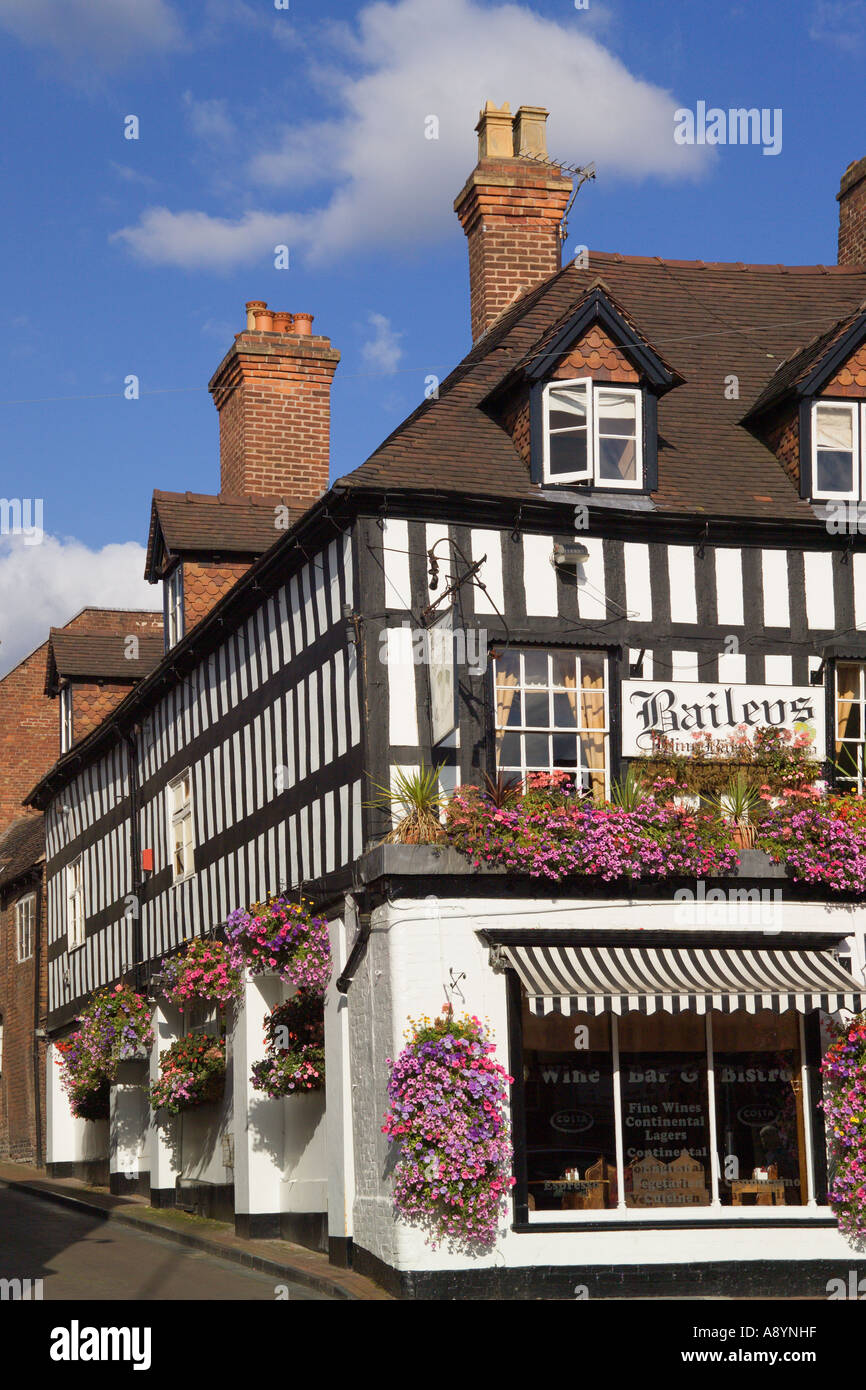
{"x": 736, "y": 805}
{"x": 629, "y": 792}
{"x": 416, "y": 798}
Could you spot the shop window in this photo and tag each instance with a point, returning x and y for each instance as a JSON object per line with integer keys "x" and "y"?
{"x": 850, "y": 736}
{"x": 551, "y": 714}
{"x": 665, "y": 1110}
{"x": 570, "y": 1127}
{"x": 759, "y": 1107}
{"x": 679, "y": 1084}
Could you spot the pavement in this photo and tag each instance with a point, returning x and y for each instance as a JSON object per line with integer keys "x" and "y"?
{"x": 104, "y": 1251}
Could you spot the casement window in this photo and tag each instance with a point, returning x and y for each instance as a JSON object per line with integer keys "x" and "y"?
{"x": 66, "y": 726}
{"x": 180, "y": 837}
{"x": 75, "y": 904}
{"x": 850, "y": 725}
{"x": 839, "y": 450}
{"x": 25, "y": 917}
{"x": 593, "y": 434}
{"x": 551, "y": 714}
{"x": 173, "y": 587}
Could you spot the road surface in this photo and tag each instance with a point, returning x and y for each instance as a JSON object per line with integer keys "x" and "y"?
{"x": 79, "y": 1256}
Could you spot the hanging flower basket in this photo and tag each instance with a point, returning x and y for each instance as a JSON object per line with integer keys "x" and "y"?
{"x": 203, "y": 972}
{"x": 192, "y": 1072}
{"x": 844, "y": 1106}
{"x": 282, "y": 937}
{"x": 114, "y": 1027}
{"x": 295, "y": 1039}
{"x": 448, "y": 1119}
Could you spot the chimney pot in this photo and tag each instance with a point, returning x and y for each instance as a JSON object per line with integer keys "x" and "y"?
{"x": 495, "y": 137}
{"x": 530, "y": 131}
{"x": 303, "y": 325}
{"x": 251, "y": 306}
{"x": 264, "y": 320}
{"x": 282, "y": 321}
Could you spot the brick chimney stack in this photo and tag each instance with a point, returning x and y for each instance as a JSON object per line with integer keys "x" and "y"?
{"x": 852, "y": 215}
{"x": 273, "y": 394}
{"x": 510, "y": 208}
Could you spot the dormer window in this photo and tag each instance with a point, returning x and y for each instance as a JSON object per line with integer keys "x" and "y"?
{"x": 592, "y": 434}
{"x": 174, "y": 607}
{"x": 838, "y": 447}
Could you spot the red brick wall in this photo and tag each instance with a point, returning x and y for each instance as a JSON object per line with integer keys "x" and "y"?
{"x": 510, "y": 210}
{"x": 782, "y": 435}
{"x": 273, "y": 393}
{"x": 29, "y": 734}
{"x": 204, "y": 585}
{"x": 852, "y": 215}
{"x": 17, "y": 1084}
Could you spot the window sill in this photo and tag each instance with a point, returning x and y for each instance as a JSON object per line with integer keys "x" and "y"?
{"x": 184, "y": 878}
{"x": 676, "y": 1217}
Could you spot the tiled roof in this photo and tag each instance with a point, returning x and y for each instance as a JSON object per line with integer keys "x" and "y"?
{"x": 80, "y": 655}
{"x": 710, "y": 322}
{"x": 22, "y": 846}
{"x": 195, "y": 523}
{"x": 803, "y": 362}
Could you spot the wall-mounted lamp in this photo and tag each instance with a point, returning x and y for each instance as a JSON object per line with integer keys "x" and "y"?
{"x": 569, "y": 556}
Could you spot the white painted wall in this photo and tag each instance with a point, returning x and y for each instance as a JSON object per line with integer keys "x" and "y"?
{"x": 414, "y": 946}
{"x": 68, "y": 1139}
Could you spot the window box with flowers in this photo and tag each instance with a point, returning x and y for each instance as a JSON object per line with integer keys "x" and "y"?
{"x": 113, "y": 1028}
{"x": 281, "y": 937}
{"x": 192, "y": 1073}
{"x": 202, "y": 972}
{"x": 295, "y": 1041}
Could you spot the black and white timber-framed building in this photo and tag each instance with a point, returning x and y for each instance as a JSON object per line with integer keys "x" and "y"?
{"x": 638, "y": 485}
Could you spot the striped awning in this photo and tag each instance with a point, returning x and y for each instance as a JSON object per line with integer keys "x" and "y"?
{"x": 675, "y": 979}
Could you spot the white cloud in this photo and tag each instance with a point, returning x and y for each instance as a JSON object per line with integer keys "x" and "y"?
{"x": 393, "y": 187}
{"x": 107, "y": 32}
{"x": 196, "y": 241}
{"x": 841, "y": 23}
{"x": 45, "y": 585}
{"x": 382, "y": 351}
{"x": 209, "y": 119}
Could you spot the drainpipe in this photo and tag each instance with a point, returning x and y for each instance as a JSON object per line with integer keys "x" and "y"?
{"x": 357, "y": 951}
{"x": 135, "y": 850}
{"x": 38, "y": 1030}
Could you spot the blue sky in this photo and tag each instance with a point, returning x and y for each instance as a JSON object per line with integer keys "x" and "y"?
{"x": 305, "y": 125}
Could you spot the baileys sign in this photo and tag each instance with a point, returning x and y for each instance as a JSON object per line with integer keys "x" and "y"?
{"x": 686, "y": 710}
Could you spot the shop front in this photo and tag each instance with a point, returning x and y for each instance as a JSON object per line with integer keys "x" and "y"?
{"x": 666, "y": 1121}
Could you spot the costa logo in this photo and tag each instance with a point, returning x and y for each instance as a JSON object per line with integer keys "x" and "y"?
{"x": 571, "y": 1121}
{"x": 756, "y": 1115}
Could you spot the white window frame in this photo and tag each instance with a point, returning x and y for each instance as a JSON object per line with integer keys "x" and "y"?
{"x": 67, "y": 725}
{"x": 180, "y": 815}
{"x": 591, "y": 474}
{"x": 25, "y": 919}
{"x": 75, "y": 932}
{"x": 174, "y": 615}
{"x": 857, "y": 411}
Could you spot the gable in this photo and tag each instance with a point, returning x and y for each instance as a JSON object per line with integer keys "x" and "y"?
{"x": 598, "y": 356}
